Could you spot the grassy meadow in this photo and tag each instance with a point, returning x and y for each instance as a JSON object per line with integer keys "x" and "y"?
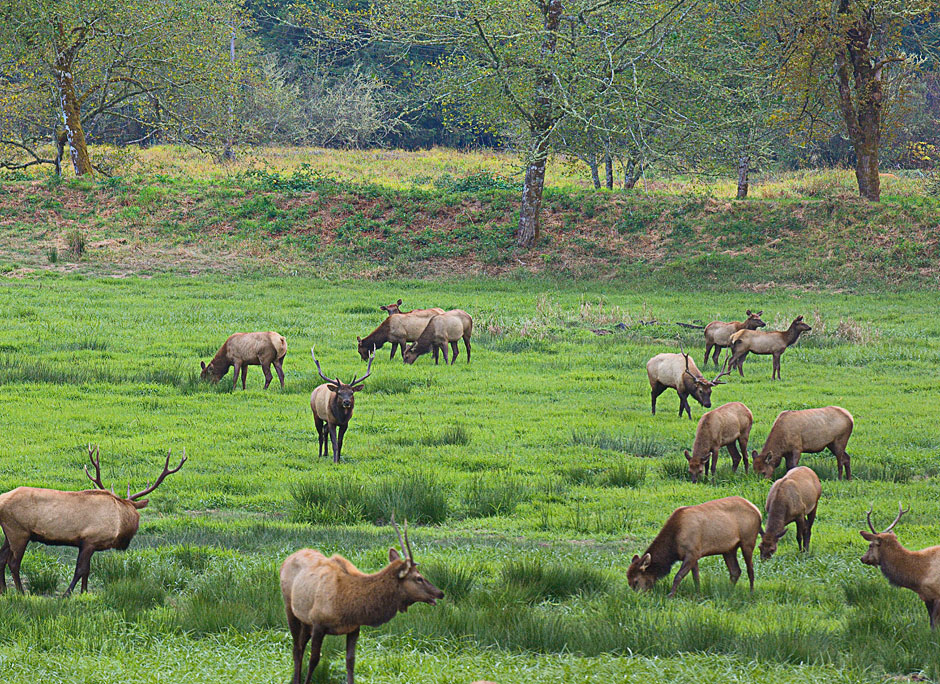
{"x": 529, "y": 477}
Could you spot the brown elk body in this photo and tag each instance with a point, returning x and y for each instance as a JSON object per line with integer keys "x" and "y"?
{"x": 714, "y": 528}
{"x": 808, "y": 431}
{"x": 679, "y": 372}
{"x": 241, "y": 350}
{"x": 718, "y": 333}
{"x": 399, "y": 329}
{"x": 92, "y": 520}
{"x": 332, "y": 405}
{"x": 331, "y": 596}
{"x": 425, "y": 313}
{"x": 918, "y": 571}
{"x": 774, "y": 342}
{"x": 721, "y": 427}
{"x": 441, "y": 330}
{"x": 793, "y": 498}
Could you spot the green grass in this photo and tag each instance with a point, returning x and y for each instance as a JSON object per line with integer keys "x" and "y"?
{"x": 529, "y": 478}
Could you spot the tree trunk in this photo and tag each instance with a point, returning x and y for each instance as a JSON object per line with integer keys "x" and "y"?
{"x": 69, "y": 108}
{"x": 631, "y": 174}
{"x": 529, "y": 216}
{"x": 61, "y": 140}
{"x": 609, "y": 170}
{"x": 595, "y": 173}
{"x": 744, "y": 164}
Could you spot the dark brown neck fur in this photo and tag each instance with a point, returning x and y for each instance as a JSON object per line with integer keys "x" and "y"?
{"x": 423, "y": 343}
{"x": 378, "y": 598}
{"x": 220, "y": 363}
{"x": 377, "y": 337}
{"x": 662, "y": 550}
{"x": 792, "y": 334}
{"x": 341, "y": 415}
{"x": 902, "y": 567}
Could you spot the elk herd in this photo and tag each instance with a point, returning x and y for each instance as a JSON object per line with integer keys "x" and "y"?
{"x": 331, "y": 596}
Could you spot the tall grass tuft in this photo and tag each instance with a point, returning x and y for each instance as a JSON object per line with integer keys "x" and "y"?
{"x": 538, "y": 581}
{"x": 450, "y": 435}
{"x": 483, "y": 496}
{"x": 133, "y": 595}
{"x": 455, "y": 580}
{"x": 623, "y": 474}
{"x": 633, "y": 444}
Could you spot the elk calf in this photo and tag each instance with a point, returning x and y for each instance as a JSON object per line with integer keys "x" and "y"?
{"x": 714, "y": 528}
{"x": 422, "y": 313}
{"x": 248, "y": 349}
{"x": 93, "y": 520}
{"x": 808, "y": 431}
{"x": 679, "y": 372}
{"x": 918, "y": 571}
{"x": 793, "y": 497}
{"x": 331, "y": 596}
{"x": 442, "y": 330}
{"x": 718, "y": 333}
{"x": 721, "y": 427}
{"x": 332, "y": 405}
{"x": 759, "y": 342}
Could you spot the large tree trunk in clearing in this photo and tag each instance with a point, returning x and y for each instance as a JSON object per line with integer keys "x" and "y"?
{"x": 595, "y": 173}
{"x": 609, "y": 170}
{"x": 744, "y": 164}
{"x": 866, "y": 168}
{"x": 69, "y": 107}
{"x": 529, "y": 216}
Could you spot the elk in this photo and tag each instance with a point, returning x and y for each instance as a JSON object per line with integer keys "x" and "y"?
{"x": 332, "y": 406}
{"x": 422, "y": 313}
{"x": 808, "y": 431}
{"x": 441, "y": 330}
{"x": 248, "y": 349}
{"x": 918, "y": 571}
{"x": 718, "y": 333}
{"x": 759, "y": 342}
{"x": 397, "y": 329}
{"x": 93, "y": 520}
{"x": 679, "y": 372}
{"x": 721, "y": 427}
{"x": 713, "y": 528}
{"x": 793, "y": 498}
{"x": 331, "y": 596}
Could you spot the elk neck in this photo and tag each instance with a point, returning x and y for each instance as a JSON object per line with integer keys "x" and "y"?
{"x": 902, "y": 567}
{"x": 791, "y": 335}
{"x": 340, "y": 415}
{"x": 662, "y": 550}
{"x": 377, "y": 598}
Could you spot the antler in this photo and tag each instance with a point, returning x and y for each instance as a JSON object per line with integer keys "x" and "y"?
{"x": 682, "y": 351}
{"x": 411, "y": 555}
{"x": 725, "y": 370}
{"x": 368, "y": 370}
{"x": 166, "y": 471}
{"x": 335, "y": 382}
{"x": 95, "y": 461}
{"x": 401, "y": 541}
{"x": 890, "y": 527}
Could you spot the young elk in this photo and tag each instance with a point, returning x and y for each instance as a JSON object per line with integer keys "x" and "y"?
{"x": 248, "y": 349}
{"x": 918, "y": 571}
{"x": 332, "y": 406}
{"x": 421, "y": 313}
{"x": 331, "y": 596}
{"x": 398, "y": 329}
{"x": 93, "y": 520}
{"x": 718, "y": 333}
{"x": 793, "y": 497}
{"x": 718, "y": 527}
{"x": 679, "y": 372}
{"x": 442, "y": 330}
{"x": 806, "y": 432}
{"x": 759, "y": 342}
{"x": 721, "y": 427}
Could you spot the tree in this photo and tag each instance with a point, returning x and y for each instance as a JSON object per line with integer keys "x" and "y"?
{"x": 72, "y": 66}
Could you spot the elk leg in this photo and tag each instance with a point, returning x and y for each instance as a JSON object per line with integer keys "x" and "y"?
{"x": 800, "y": 532}
{"x": 351, "y": 640}
{"x": 715, "y": 461}
{"x": 683, "y": 571}
{"x": 718, "y": 349}
{"x": 810, "y": 519}
{"x": 82, "y": 567}
{"x": 708, "y": 348}
{"x": 934, "y": 612}
{"x": 4, "y": 557}
{"x": 776, "y": 370}
{"x": 301, "y": 634}
{"x": 842, "y": 459}
{"x": 238, "y": 368}
{"x": 316, "y": 643}
{"x": 321, "y": 436}
{"x": 334, "y": 443}
{"x": 245, "y": 375}
{"x": 748, "y": 553}
{"x": 278, "y": 368}
{"x": 434, "y": 353}
{"x": 695, "y": 577}
{"x": 394, "y": 349}
{"x": 466, "y": 343}
{"x": 734, "y": 569}
{"x": 444, "y": 352}
{"x": 456, "y": 351}
{"x": 16, "y": 555}
{"x": 657, "y": 389}
{"x": 266, "y": 369}
{"x": 684, "y": 405}
{"x": 792, "y": 460}
{"x": 339, "y": 441}
{"x": 735, "y": 458}
{"x": 743, "y": 442}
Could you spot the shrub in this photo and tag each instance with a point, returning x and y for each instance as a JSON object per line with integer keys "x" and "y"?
{"x": 76, "y": 243}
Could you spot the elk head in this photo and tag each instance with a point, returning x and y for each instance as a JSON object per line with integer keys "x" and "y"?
{"x": 696, "y": 465}
{"x": 392, "y": 308}
{"x": 768, "y": 544}
{"x": 95, "y": 458}
{"x": 876, "y": 539}
{"x": 754, "y": 321}
{"x": 210, "y": 372}
{"x": 760, "y": 463}
{"x": 414, "y": 587}
{"x": 698, "y": 386}
{"x": 799, "y": 326}
{"x": 638, "y": 575}
{"x": 344, "y": 391}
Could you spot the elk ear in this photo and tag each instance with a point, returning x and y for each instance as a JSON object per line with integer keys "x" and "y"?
{"x": 357, "y": 388}
{"x": 358, "y": 339}
{"x": 760, "y": 313}
{"x": 332, "y": 388}
{"x": 398, "y": 303}
{"x": 799, "y": 318}
{"x": 780, "y": 536}
{"x": 748, "y": 312}
{"x": 203, "y": 364}
{"x": 688, "y": 456}
{"x": 140, "y": 504}
{"x": 753, "y": 454}
{"x": 393, "y": 555}
{"x": 383, "y": 308}
{"x": 645, "y": 562}
{"x": 635, "y": 559}
{"x": 868, "y": 535}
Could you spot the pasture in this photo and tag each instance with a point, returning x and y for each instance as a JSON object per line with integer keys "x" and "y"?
{"x": 529, "y": 477}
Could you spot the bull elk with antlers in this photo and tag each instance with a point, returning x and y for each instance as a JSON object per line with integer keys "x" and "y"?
{"x": 332, "y": 405}
{"x": 679, "y": 372}
{"x": 331, "y": 596}
{"x": 93, "y": 520}
{"x": 918, "y": 571}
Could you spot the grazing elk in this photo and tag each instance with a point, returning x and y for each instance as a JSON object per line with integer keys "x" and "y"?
{"x": 793, "y": 497}
{"x": 718, "y": 333}
{"x": 918, "y": 571}
{"x": 721, "y": 427}
{"x": 442, "y": 330}
{"x": 331, "y": 596}
{"x": 679, "y": 372}
{"x": 713, "y": 528}
{"x": 398, "y": 329}
{"x": 423, "y": 313}
{"x": 759, "y": 342}
{"x": 332, "y": 406}
{"x": 808, "y": 431}
{"x": 248, "y": 349}
{"x": 93, "y": 520}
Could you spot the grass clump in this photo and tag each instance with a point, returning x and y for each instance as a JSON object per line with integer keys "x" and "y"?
{"x": 540, "y": 581}
{"x": 633, "y": 444}
{"x": 484, "y": 496}
{"x": 452, "y": 435}
{"x": 132, "y": 595}
{"x": 455, "y": 580}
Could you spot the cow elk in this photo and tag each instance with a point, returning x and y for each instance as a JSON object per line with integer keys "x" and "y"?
{"x": 721, "y": 427}
{"x": 248, "y": 349}
{"x": 332, "y": 405}
{"x": 442, "y": 330}
{"x": 713, "y": 528}
{"x": 793, "y": 498}
{"x": 399, "y": 329}
{"x": 679, "y": 372}
{"x": 421, "y": 313}
{"x": 918, "y": 571}
{"x": 93, "y": 520}
{"x": 808, "y": 431}
{"x": 759, "y": 342}
{"x": 331, "y": 596}
{"x": 718, "y": 333}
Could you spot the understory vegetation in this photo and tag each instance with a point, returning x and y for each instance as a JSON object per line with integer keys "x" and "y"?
{"x": 529, "y": 478}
